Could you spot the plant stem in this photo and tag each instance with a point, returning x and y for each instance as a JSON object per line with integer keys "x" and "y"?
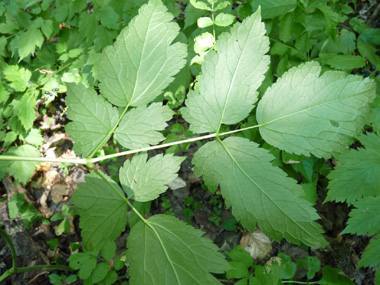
{"x": 169, "y": 144}
{"x": 44, "y": 159}
{"x": 11, "y": 271}
{"x": 90, "y": 161}
{"x": 11, "y": 246}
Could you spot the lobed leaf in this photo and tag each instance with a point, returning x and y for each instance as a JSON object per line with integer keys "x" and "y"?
{"x": 358, "y": 173}
{"x": 257, "y": 191}
{"x": 103, "y": 212}
{"x": 305, "y": 113}
{"x": 142, "y": 62}
{"x": 140, "y": 126}
{"x": 28, "y": 41}
{"x": 145, "y": 181}
{"x": 365, "y": 219}
{"x": 93, "y": 118}
{"x": 230, "y": 77}
{"x": 158, "y": 248}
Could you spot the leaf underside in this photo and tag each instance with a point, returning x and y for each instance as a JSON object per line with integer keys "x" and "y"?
{"x": 230, "y": 77}
{"x": 257, "y": 191}
{"x": 144, "y": 181}
{"x": 103, "y": 211}
{"x": 142, "y": 62}
{"x": 93, "y": 118}
{"x": 304, "y": 113}
{"x": 167, "y": 251}
{"x": 140, "y": 126}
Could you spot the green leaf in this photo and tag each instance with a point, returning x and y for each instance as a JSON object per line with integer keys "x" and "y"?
{"x": 108, "y": 250}
{"x": 33, "y": 136}
{"x": 155, "y": 258}
{"x": 93, "y": 118}
{"x": 18, "y": 77}
{"x": 84, "y": 262}
{"x": 108, "y": 17}
{"x": 142, "y": 62}
{"x": 99, "y": 272}
{"x": 358, "y": 172}
{"x": 344, "y": 62}
{"x": 239, "y": 254}
{"x": 286, "y": 27}
{"x": 230, "y": 77}
{"x": 204, "y": 22}
{"x": 334, "y": 276}
{"x": 200, "y": 5}
{"x": 258, "y": 191}
{"x": 369, "y": 52}
{"x": 274, "y": 8}
{"x": 22, "y": 171}
{"x": 311, "y": 263}
{"x": 47, "y": 28}
{"x": 144, "y": 181}
{"x": 24, "y": 109}
{"x": 28, "y": 42}
{"x": 140, "y": 127}
{"x": 365, "y": 219}
{"x": 377, "y": 276}
{"x": 305, "y": 113}
{"x": 103, "y": 211}
{"x": 224, "y": 20}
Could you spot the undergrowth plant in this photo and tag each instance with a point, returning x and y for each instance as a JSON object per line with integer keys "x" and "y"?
{"x": 308, "y": 113}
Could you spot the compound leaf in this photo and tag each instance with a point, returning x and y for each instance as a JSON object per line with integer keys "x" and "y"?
{"x": 305, "y": 113}
{"x": 230, "y": 77}
{"x": 93, "y": 118}
{"x": 144, "y": 181}
{"x": 140, "y": 126}
{"x": 103, "y": 211}
{"x": 155, "y": 258}
{"x": 371, "y": 255}
{"x": 142, "y": 62}
{"x": 365, "y": 219}
{"x": 258, "y": 191}
{"x": 22, "y": 171}
{"x": 358, "y": 173}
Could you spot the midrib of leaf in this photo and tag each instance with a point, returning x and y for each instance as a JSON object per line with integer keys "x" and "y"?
{"x": 308, "y": 109}
{"x": 164, "y": 249}
{"x": 130, "y": 101}
{"x": 230, "y": 86}
{"x": 262, "y": 190}
{"x": 142, "y": 53}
